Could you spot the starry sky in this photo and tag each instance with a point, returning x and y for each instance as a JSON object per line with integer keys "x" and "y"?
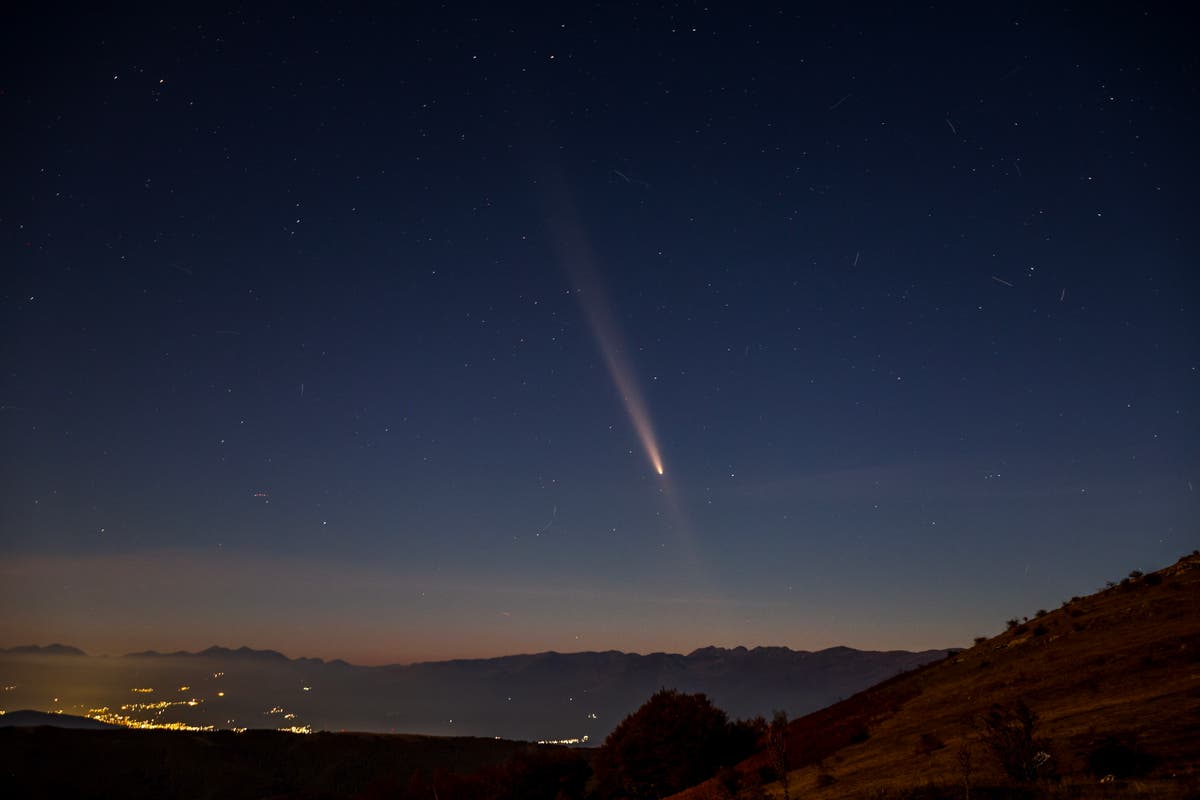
{"x": 362, "y": 333}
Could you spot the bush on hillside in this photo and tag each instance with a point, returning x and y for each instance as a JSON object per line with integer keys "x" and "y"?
{"x": 1010, "y": 732}
{"x": 673, "y": 741}
{"x": 928, "y": 743}
{"x": 1121, "y": 757}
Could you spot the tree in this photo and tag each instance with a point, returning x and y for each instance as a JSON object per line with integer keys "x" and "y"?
{"x": 1010, "y": 733}
{"x": 673, "y": 741}
{"x": 780, "y": 758}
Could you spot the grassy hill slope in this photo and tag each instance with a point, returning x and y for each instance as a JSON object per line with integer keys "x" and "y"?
{"x": 1113, "y": 677}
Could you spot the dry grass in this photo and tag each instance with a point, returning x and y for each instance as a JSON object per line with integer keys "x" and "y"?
{"x": 1124, "y": 662}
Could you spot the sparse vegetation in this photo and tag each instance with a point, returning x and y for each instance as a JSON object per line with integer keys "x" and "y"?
{"x": 1010, "y": 732}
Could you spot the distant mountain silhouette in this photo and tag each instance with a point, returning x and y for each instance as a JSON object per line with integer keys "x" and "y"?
{"x": 531, "y": 697}
{"x": 217, "y": 651}
{"x": 30, "y": 719}
{"x": 50, "y": 650}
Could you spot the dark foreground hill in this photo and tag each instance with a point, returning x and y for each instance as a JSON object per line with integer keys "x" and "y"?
{"x": 1113, "y": 680}
{"x": 545, "y": 696}
{"x": 31, "y": 719}
{"x": 54, "y": 762}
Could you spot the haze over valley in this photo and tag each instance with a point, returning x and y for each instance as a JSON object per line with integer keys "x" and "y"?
{"x": 573, "y": 697}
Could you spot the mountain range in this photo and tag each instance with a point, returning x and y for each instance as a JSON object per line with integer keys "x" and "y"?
{"x": 539, "y": 697}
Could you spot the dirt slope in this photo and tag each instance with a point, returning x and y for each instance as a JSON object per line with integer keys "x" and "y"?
{"x": 1124, "y": 663}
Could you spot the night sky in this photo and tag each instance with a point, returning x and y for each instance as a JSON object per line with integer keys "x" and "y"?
{"x": 362, "y": 334}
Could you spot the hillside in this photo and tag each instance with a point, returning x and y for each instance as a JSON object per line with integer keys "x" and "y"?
{"x": 1113, "y": 677}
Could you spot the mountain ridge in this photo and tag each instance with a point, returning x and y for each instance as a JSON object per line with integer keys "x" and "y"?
{"x": 245, "y": 651}
{"x": 28, "y": 718}
{"x": 537, "y": 696}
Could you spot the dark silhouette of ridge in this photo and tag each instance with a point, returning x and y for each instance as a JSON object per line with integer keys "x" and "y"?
{"x": 27, "y": 718}
{"x": 50, "y": 649}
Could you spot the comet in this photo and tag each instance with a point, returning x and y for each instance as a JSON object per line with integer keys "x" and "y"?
{"x": 577, "y": 256}
{"x": 611, "y": 345}
{"x": 608, "y": 340}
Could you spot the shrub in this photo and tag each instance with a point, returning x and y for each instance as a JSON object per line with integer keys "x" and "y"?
{"x": 1012, "y": 623}
{"x": 673, "y": 741}
{"x": 729, "y": 781}
{"x": 1120, "y": 757}
{"x": 778, "y": 739}
{"x": 1135, "y": 574}
{"x": 1041, "y": 612}
{"x": 1010, "y": 733}
{"x": 1153, "y": 579}
{"x": 928, "y": 743}
{"x": 980, "y": 639}
{"x": 1040, "y": 630}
